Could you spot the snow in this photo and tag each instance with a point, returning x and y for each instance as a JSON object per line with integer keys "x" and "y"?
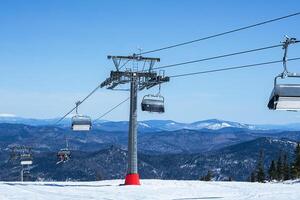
{"x": 213, "y": 125}
{"x": 280, "y": 141}
{"x": 172, "y": 123}
{"x": 7, "y": 115}
{"x": 150, "y": 189}
{"x": 217, "y": 126}
{"x": 144, "y": 124}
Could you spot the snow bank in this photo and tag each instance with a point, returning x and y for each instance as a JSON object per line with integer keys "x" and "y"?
{"x": 150, "y": 189}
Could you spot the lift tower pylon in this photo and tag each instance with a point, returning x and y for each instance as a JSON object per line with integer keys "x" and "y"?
{"x": 138, "y": 79}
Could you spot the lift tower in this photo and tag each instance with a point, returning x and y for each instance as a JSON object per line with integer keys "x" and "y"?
{"x": 139, "y": 78}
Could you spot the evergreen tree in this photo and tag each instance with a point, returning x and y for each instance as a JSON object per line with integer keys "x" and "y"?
{"x": 279, "y": 168}
{"x": 286, "y": 168}
{"x": 292, "y": 171}
{"x": 260, "y": 168}
{"x": 296, "y": 166}
{"x": 207, "y": 177}
{"x": 272, "y": 171}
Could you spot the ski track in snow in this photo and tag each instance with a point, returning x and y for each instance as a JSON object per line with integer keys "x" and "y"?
{"x": 149, "y": 190}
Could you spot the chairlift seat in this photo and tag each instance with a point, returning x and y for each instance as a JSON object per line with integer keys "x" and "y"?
{"x": 153, "y": 103}
{"x": 81, "y": 123}
{"x": 285, "y": 97}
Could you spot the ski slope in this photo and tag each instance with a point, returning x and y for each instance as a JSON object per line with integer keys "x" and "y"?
{"x": 150, "y": 189}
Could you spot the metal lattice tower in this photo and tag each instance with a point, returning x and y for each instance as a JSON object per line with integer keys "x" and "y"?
{"x": 139, "y": 78}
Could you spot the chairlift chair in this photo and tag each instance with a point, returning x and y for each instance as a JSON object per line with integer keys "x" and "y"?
{"x": 81, "y": 122}
{"x": 26, "y": 159}
{"x": 63, "y": 155}
{"x": 153, "y": 103}
{"x": 285, "y": 96}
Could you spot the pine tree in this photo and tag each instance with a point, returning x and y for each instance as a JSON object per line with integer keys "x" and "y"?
{"x": 292, "y": 171}
{"x": 286, "y": 168}
{"x": 279, "y": 168}
{"x": 207, "y": 177}
{"x": 272, "y": 171}
{"x": 296, "y": 165}
{"x": 260, "y": 168}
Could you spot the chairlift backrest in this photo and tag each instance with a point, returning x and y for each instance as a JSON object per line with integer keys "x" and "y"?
{"x": 63, "y": 155}
{"x": 26, "y": 156}
{"x": 285, "y": 96}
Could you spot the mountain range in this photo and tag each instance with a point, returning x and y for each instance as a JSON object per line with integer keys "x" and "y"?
{"x": 152, "y": 125}
{"x": 236, "y": 161}
{"x": 167, "y": 149}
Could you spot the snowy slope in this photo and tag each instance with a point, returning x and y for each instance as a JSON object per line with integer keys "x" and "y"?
{"x": 150, "y": 189}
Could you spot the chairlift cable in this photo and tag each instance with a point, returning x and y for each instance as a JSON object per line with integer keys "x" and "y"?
{"x": 79, "y": 103}
{"x": 113, "y": 108}
{"x": 220, "y": 56}
{"x": 232, "y": 68}
{"x": 221, "y": 34}
{"x": 202, "y": 72}
{"x": 180, "y": 75}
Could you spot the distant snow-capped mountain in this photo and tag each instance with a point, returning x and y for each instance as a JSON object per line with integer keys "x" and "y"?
{"x": 21, "y": 120}
{"x": 212, "y": 124}
{"x": 215, "y": 124}
{"x": 150, "y": 125}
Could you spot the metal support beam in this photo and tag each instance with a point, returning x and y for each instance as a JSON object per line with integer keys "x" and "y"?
{"x": 132, "y": 134}
{"x": 135, "y": 57}
{"x": 22, "y": 174}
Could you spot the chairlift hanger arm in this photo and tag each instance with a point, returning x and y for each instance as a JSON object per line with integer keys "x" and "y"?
{"x": 288, "y": 41}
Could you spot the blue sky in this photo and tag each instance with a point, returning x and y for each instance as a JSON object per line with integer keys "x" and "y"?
{"x": 53, "y": 53}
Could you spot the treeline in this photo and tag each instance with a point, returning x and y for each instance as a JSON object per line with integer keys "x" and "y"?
{"x": 279, "y": 170}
